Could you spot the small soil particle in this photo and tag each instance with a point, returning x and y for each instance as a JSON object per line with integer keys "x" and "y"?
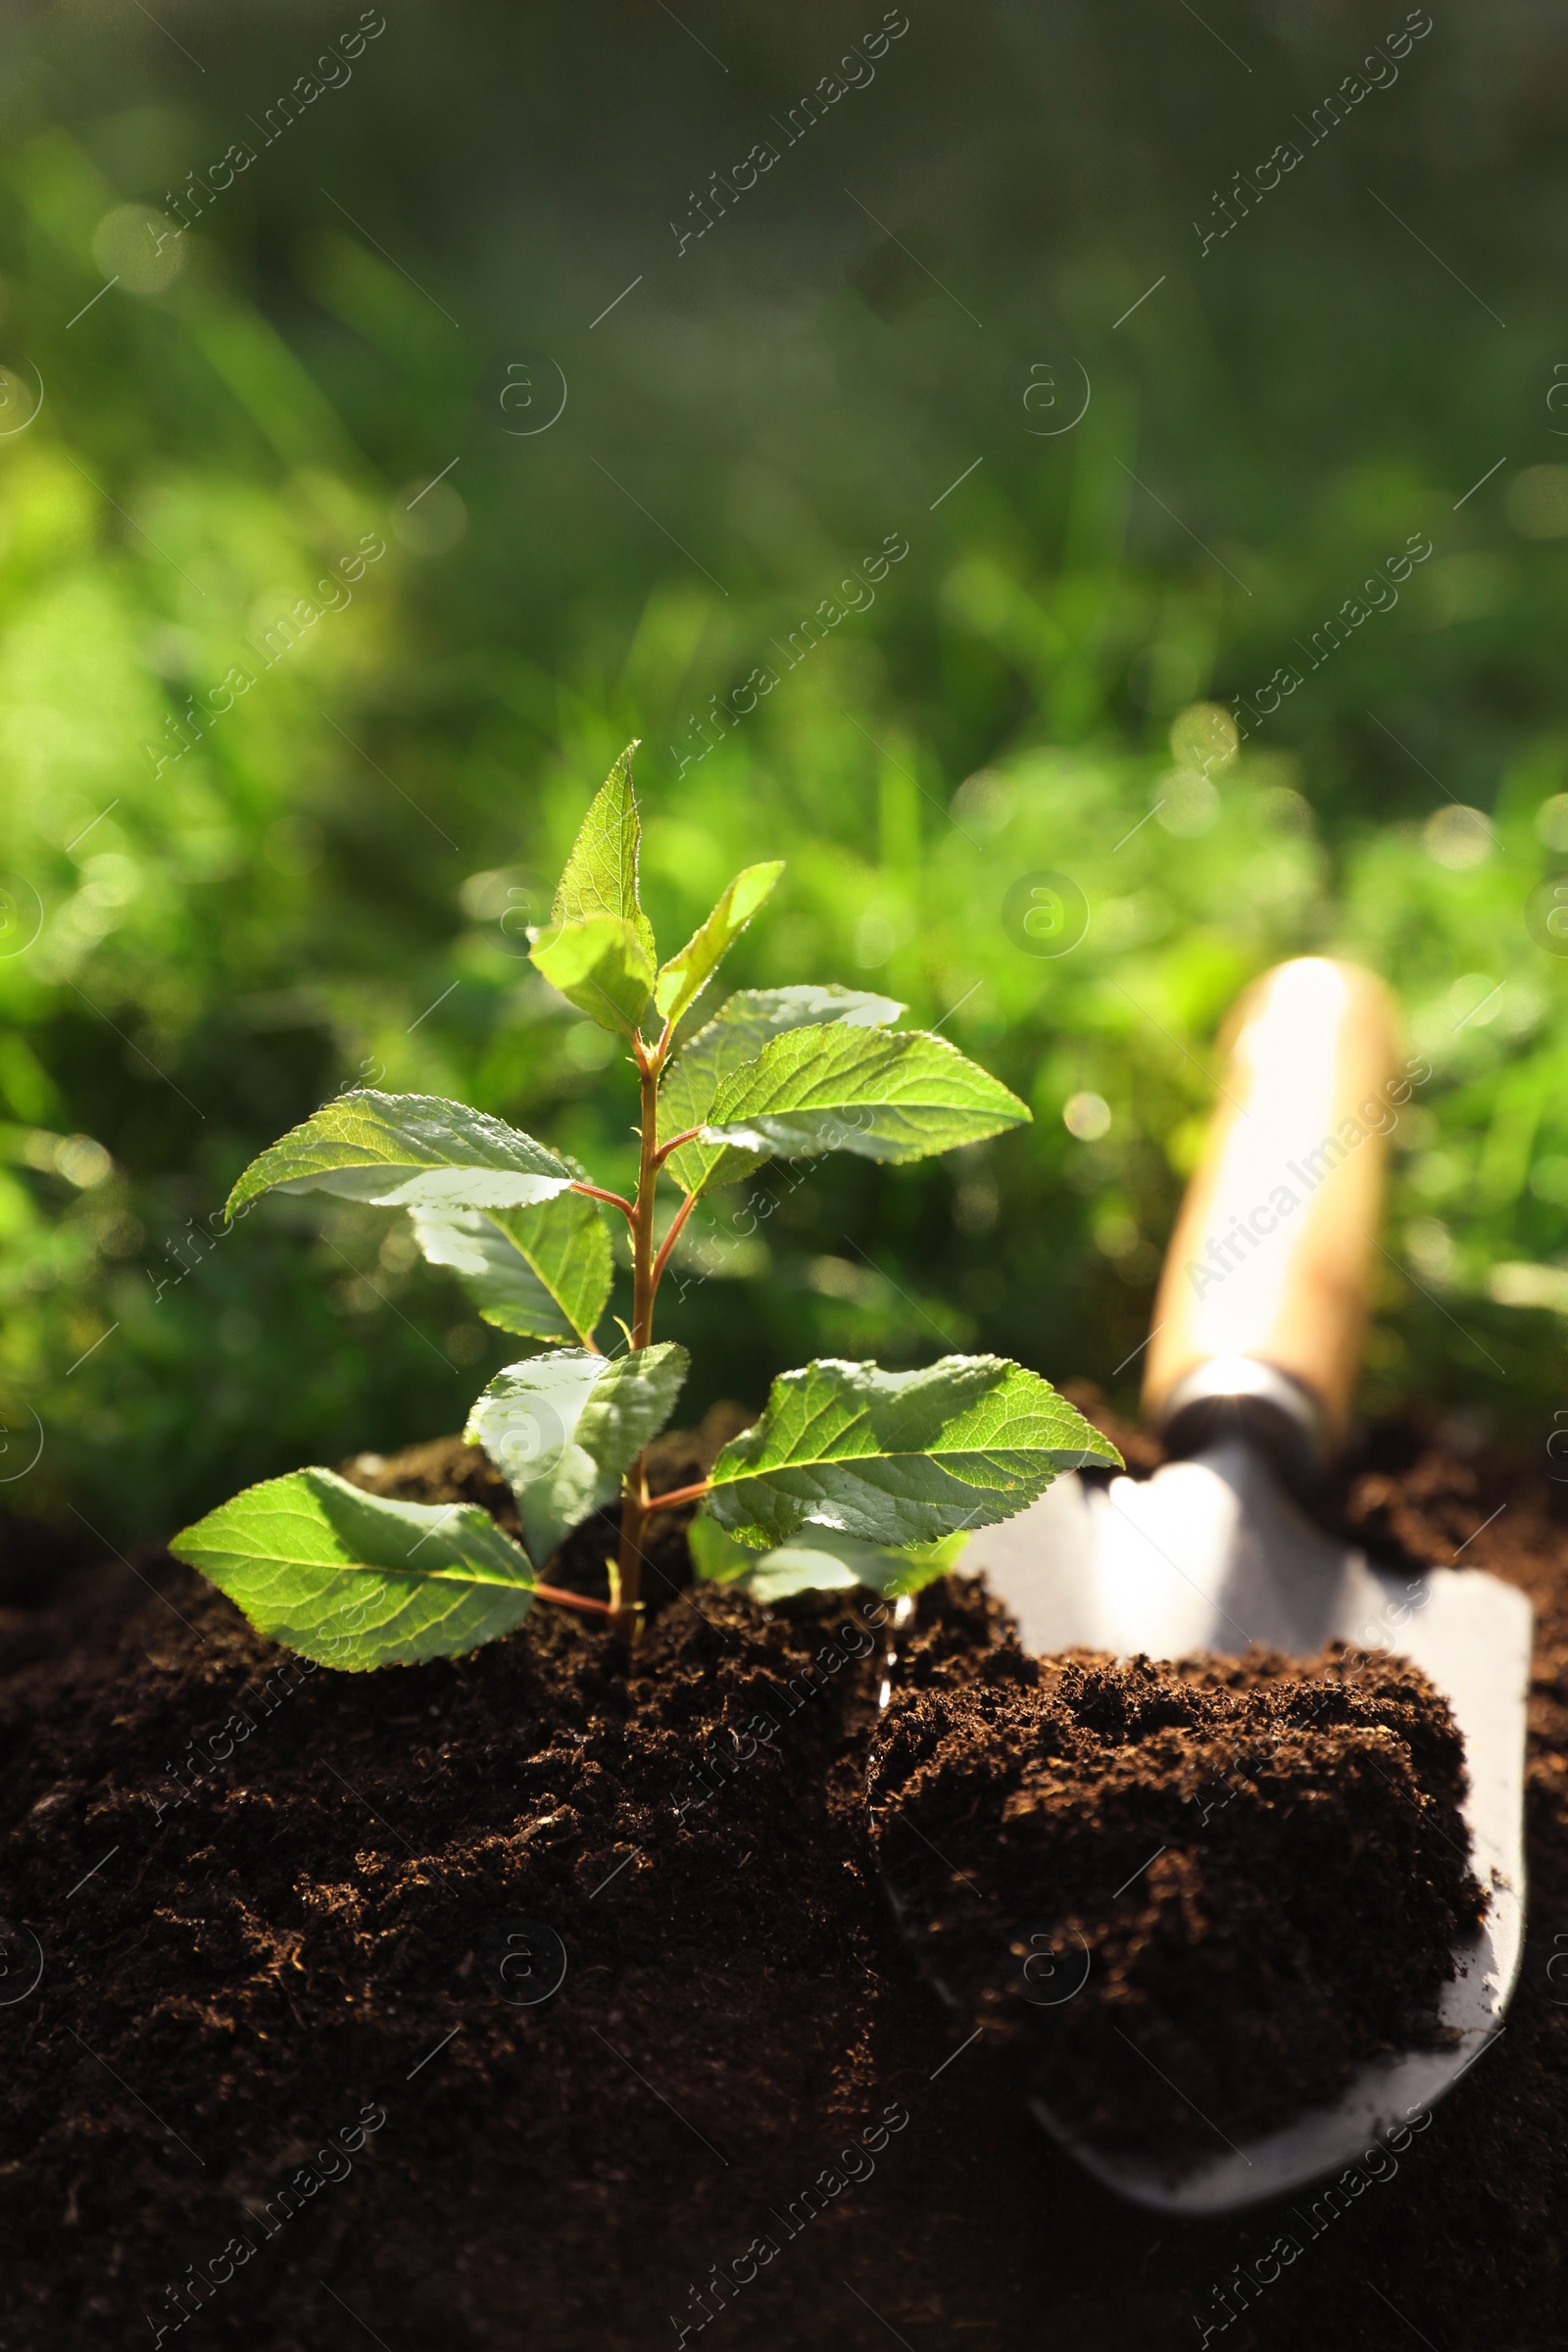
{"x": 1190, "y": 1897}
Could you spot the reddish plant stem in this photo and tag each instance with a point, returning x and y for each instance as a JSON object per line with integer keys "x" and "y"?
{"x": 688, "y": 1134}
{"x": 624, "y": 1600}
{"x": 676, "y": 1497}
{"x": 668, "y": 1244}
{"x": 573, "y": 1600}
{"x": 642, "y": 1225}
{"x": 611, "y": 1200}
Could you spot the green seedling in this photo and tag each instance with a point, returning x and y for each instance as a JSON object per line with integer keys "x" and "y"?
{"x": 851, "y": 1476}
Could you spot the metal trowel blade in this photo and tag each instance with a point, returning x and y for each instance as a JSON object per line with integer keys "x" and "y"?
{"x": 1211, "y": 1555}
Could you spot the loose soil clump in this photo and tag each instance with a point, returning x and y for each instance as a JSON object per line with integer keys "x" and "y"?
{"x": 1235, "y": 1878}
{"x": 300, "y": 2070}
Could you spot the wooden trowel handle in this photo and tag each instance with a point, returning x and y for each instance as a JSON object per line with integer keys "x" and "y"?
{"x": 1269, "y": 1266}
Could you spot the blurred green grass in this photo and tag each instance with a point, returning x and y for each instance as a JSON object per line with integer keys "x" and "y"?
{"x": 329, "y": 881}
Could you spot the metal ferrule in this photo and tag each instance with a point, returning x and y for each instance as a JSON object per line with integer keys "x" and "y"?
{"x": 1241, "y": 1397}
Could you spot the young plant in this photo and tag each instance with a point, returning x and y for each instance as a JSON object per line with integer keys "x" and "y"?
{"x": 851, "y": 1475}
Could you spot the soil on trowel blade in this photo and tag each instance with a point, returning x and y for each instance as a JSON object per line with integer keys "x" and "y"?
{"x": 1191, "y": 1897}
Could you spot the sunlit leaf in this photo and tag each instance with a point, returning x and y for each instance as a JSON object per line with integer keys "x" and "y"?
{"x": 564, "y": 1429}
{"x": 735, "y": 1036}
{"x": 601, "y": 874}
{"x": 897, "y": 1095}
{"x": 406, "y": 1151}
{"x": 544, "y": 1273}
{"x": 687, "y": 974}
{"x": 817, "y": 1559}
{"x": 355, "y": 1580}
{"x": 899, "y": 1457}
{"x": 601, "y": 965}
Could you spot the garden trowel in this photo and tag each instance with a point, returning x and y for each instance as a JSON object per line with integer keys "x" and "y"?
{"x": 1252, "y": 1361}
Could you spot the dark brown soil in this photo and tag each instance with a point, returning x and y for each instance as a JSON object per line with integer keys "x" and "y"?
{"x": 279, "y": 2071}
{"x": 1237, "y": 1879}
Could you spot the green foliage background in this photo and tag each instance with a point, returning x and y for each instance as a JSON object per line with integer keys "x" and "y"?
{"x": 331, "y": 881}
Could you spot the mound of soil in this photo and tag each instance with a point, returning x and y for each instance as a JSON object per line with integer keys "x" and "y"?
{"x": 528, "y": 1999}
{"x": 1238, "y": 1878}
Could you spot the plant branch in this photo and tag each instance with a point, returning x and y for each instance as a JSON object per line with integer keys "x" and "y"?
{"x": 642, "y": 1314}
{"x": 573, "y": 1600}
{"x": 634, "y": 1486}
{"x": 611, "y": 1200}
{"x": 670, "y": 1241}
{"x": 678, "y": 1495}
{"x": 689, "y": 1135}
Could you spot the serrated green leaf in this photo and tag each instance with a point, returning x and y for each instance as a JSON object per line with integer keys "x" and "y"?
{"x": 717, "y": 1557}
{"x": 355, "y": 1580}
{"x": 601, "y": 966}
{"x": 817, "y": 1559}
{"x": 737, "y": 1033}
{"x": 543, "y": 1273}
{"x": 899, "y": 1457}
{"x": 897, "y": 1095}
{"x": 801, "y": 1566}
{"x": 601, "y": 875}
{"x": 563, "y": 1429}
{"x": 820, "y": 1559}
{"x": 406, "y": 1151}
{"x": 686, "y": 975}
